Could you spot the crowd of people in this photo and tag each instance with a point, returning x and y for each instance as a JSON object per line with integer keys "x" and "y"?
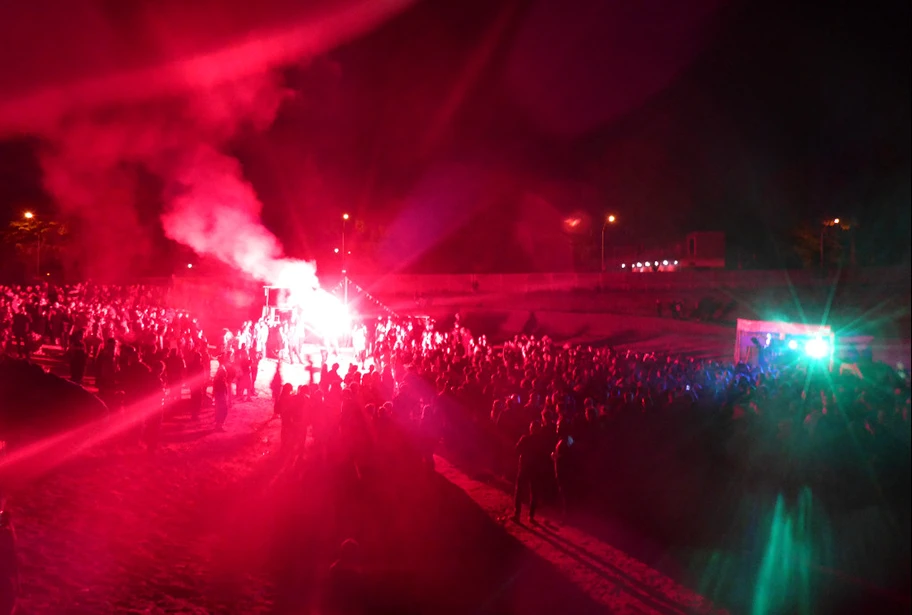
{"x": 567, "y": 410}
{"x": 126, "y": 339}
{"x": 571, "y": 414}
{"x": 561, "y": 404}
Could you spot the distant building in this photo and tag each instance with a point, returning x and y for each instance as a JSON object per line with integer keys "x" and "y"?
{"x": 703, "y": 250}
{"x": 699, "y": 250}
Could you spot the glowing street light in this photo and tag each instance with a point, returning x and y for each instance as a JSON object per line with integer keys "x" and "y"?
{"x": 30, "y": 216}
{"x": 189, "y": 265}
{"x": 344, "y": 272}
{"x": 823, "y": 228}
{"x": 611, "y": 219}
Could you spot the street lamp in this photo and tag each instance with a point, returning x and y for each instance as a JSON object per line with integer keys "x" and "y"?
{"x": 611, "y": 219}
{"x": 344, "y": 272}
{"x": 823, "y": 228}
{"x": 30, "y": 216}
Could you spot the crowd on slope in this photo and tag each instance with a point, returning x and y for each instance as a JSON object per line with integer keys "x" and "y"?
{"x": 576, "y": 416}
{"x": 126, "y": 339}
{"x": 573, "y": 413}
{"x": 566, "y": 408}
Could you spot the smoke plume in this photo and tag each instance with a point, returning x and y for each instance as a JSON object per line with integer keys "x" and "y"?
{"x": 159, "y": 90}
{"x": 91, "y": 169}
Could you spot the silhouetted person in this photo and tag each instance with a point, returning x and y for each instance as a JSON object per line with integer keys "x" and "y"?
{"x": 346, "y": 584}
{"x": 564, "y": 473}
{"x": 106, "y": 370}
{"x": 154, "y": 393}
{"x": 255, "y": 358}
{"x": 22, "y": 326}
{"x": 9, "y": 565}
{"x": 331, "y": 380}
{"x": 197, "y": 378}
{"x": 276, "y": 387}
{"x": 78, "y": 359}
{"x": 174, "y": 373}
{"x": 220, "y": 393}
{"x": 285, "y": 408}
{"x": 243, "y": 366}
{"x": 533, "y": 452}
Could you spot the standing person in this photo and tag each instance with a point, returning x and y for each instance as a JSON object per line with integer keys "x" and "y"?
{"x": 154, "y": 392}
{"x": 533, "y": 449}
{"x": 78, "y": 360}
{"x": 276, "y": 387}
{"x": 243, "y": 367}
{"x": 197, "y": 378}
{"x": 255, "y": 357}
{"x": 346, "y": 587}
{"x": 220, "y": 394}
{"x": 287, "y": 411}
{"x": 564, "y": 473}
{"x": 106, "y": 371}
{"x": 21, "y": 332}
{"x": 174, "y": 374}
{"x": 9, "y": 565}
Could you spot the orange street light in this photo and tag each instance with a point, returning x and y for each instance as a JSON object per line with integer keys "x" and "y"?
{"x": 28, "y": 215}
{"x": 344, "y": 271}
{"x": 611, "y": 219}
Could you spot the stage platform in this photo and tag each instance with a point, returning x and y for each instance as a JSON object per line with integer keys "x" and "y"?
{"x": 298, "y": 373}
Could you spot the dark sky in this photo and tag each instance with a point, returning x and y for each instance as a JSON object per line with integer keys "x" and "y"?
{"x": 473, "y": 127}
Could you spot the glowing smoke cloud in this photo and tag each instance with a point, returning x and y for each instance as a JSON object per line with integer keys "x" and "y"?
{"x": 169, "y": 115}
{"x": 209, "y": 205}
{"x": 217, "y": 213}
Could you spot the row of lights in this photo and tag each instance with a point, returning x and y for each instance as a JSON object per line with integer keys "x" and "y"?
{"x": 650, "y": 264}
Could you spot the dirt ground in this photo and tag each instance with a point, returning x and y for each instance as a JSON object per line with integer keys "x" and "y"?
{"x": 223, "y": 523}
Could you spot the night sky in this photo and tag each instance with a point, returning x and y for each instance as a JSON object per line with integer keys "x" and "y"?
{"x": 460, "y": 134}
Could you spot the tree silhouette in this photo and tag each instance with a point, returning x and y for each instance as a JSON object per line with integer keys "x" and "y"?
{"x": 36, "y": 239}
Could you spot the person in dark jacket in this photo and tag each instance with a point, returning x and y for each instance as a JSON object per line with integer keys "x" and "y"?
{"x": 9, "y": 565}
{"x": 533, "y": 449}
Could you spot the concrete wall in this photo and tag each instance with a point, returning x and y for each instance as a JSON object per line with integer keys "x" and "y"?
{"x": 409, "y": 284}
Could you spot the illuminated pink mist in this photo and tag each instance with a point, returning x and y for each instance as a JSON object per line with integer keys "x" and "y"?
{"x": 170, "y": 115}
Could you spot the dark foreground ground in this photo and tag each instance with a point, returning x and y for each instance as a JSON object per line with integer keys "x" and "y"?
{"x": 223, "y": 523}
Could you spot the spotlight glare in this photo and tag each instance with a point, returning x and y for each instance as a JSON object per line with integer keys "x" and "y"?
{"x": 817, "y": 348}
{"x": 665, "y": 263}
{"x": 639, "y": 265}
{"x": 623, "y": 266}
{"x": 793, "y": 345}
